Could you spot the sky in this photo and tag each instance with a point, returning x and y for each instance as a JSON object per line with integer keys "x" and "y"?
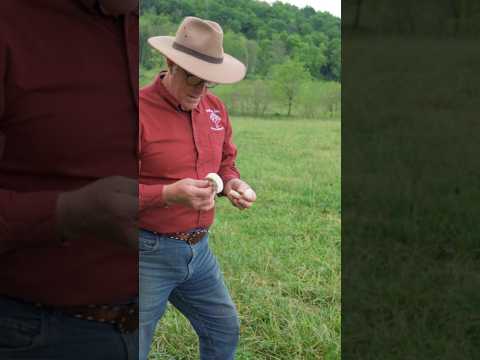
{"x": 332, "y": 6}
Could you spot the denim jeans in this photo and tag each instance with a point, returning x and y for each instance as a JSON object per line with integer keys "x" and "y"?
{"x": 189, "y": 277}
{"x": 30, "y": 333}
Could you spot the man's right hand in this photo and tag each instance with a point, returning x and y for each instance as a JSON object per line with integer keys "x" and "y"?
{"x": 105, "y": 209}
{"x": 195, "y": 194}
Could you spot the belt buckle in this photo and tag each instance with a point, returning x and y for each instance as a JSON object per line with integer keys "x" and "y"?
{"x": 191, "y": 237}
{"x": 188, "y": 239}
{"x": 198, "y": 235}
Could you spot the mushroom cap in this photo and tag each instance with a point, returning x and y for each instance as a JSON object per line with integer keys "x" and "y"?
{"x": 217, "y": 181}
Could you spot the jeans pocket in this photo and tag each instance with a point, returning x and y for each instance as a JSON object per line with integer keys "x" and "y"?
{"x": 19, "y": 332}
{"x": 146, "y": 244}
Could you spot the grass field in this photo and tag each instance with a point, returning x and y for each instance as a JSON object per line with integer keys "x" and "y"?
{"x": 281, "y": 259}
{"x": 410, "y": 198}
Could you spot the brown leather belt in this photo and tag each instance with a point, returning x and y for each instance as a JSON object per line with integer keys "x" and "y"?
{"x": 191, "y": 238}
{"x": 124, "y": 317}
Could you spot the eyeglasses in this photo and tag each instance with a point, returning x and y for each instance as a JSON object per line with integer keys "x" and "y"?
{"x": 193, "y": 80}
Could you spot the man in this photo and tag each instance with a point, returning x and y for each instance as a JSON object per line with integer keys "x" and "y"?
{"x": 68, "y": 194}
{"x": 185, "y": 135}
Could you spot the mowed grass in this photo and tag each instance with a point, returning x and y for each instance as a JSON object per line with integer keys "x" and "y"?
{"x": 281, "y": 259}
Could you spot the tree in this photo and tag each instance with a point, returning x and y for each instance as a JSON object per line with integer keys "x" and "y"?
{"x": 152, "y": 25}
{"x": 252, "y": 51}
{"x": 332, "y": 68}
{"x": 236, "y": 45}
{"x": 288, "y": 79}
{"x": 263, "y": 35}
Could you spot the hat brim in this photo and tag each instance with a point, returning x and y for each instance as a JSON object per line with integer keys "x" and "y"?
{"x": 229, "y": 71}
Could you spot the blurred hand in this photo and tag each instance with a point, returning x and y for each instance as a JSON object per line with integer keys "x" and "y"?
{"x": 105, "y": 209}
{"x": 195, "y": 194}
{"x": 240, "y": 194}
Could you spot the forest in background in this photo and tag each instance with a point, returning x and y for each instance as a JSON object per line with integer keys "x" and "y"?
{"x": 431, "y": 17}
{"x": 293, "y": 55}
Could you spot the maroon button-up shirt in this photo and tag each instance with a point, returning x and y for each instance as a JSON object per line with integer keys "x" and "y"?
{"x": 174, "y": 145}
{"x": 68, "y": 116}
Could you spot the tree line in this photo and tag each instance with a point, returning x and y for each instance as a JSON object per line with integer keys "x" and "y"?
{"x": 433, "y": 17}
{"x": 257, "y": 33}
{"x": 292, "y": 55}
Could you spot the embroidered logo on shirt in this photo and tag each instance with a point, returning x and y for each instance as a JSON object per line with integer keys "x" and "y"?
{"x": 215, "y": 119}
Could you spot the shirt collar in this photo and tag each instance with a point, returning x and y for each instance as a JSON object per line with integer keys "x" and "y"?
{"x": 162, "y": 90}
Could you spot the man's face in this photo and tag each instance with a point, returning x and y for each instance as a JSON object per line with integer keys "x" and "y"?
{"x": 186, "y": 88}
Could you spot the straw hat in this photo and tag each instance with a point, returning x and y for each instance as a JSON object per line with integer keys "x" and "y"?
{"x": 198, "y": 48}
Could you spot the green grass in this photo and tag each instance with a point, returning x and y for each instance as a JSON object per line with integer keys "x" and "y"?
{"x": 281, "y": 259}
{"x": 410, "y": 201}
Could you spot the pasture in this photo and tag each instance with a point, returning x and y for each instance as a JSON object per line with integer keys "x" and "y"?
{"x": 281, "y": 259}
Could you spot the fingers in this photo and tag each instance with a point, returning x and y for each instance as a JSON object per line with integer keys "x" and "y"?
{"x": 242, "y": 187}
{"x": 204, "y": 204}
{"x": 203, "y": 193}
{"x": 201, "y": 189}
{"x": 235, "y": 194}
{"x": 249, "y": 195}
{"x": 200, "y": 183}
{"x": 207, "y": 206}
{"x": 245, "y": 204}
{"x": 243, "y": 198}
{"x": 241, "y": 203}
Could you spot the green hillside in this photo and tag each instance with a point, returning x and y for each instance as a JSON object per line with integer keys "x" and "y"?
{"x": 259, "y": 34}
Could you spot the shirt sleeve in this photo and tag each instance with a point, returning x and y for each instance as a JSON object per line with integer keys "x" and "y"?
{"x": 26, "y": 219}
{"x": 149, "y": 195}
{"x": 228, "y": 170}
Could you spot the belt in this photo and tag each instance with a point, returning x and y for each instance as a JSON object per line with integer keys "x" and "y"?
{"x": 191, "y": 237}
{"x": 124, "y": 317}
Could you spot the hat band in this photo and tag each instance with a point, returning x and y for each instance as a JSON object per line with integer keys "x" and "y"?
{"x": 198, "y": 55}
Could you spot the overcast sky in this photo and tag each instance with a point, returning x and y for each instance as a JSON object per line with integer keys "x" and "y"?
{"x": 332, "y": 6}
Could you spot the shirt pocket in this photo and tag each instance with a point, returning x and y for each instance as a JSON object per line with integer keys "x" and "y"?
{"x": 216, "y": 139}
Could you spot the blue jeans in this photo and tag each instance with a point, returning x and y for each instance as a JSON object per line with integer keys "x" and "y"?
{"x": 30, "y": 333}
{"x": 189, "y": 277}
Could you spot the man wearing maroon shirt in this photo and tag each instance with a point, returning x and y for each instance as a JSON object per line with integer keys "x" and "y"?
{"x": 68, "y": 189}
{"x": 185, "y": 134}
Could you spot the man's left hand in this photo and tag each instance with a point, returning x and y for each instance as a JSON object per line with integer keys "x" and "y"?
{"x": 240, "y": 194}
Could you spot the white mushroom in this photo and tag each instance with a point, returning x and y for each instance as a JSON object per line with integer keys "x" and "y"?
{"x": 216, "y": 182}
{"x": 235, "y": 194}
{"x": 249, "y": 194}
